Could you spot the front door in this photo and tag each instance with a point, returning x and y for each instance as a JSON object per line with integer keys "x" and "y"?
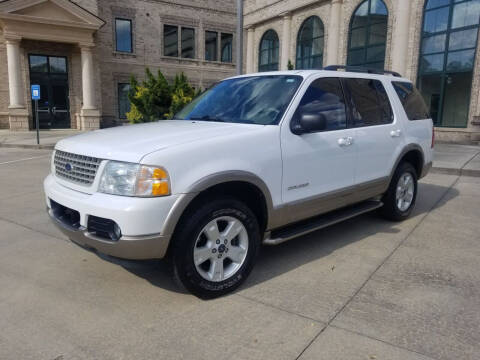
{"x": 318, "y": 167}
{"x": 50, "y": 72}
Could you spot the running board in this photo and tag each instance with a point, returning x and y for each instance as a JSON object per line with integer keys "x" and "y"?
{"x": 304, "y": 227}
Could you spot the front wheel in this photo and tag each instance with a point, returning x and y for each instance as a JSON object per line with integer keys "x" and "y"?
{"x": 399, "y": 200}
{"x": 216, "y": 247}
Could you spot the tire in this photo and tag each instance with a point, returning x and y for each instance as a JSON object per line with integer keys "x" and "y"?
{"x": 211, "y": 261}
{"x": 394, "y": 207}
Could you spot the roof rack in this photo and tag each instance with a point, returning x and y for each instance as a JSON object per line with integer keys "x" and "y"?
{"x": 361, "y": 69}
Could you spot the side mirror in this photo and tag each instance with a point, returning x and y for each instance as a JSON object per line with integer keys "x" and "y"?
{"x": 310, "y": 122}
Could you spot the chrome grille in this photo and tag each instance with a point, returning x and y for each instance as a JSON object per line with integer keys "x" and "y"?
{"x": 80, "y": 169}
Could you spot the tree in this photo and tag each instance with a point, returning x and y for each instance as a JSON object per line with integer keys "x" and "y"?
{"x": 156, "y": 99}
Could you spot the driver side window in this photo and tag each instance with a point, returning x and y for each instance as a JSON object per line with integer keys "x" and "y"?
{"x": 324, "y": 96}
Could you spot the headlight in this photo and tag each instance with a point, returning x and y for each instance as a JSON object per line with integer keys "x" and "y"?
{"x": 128, "y": 179}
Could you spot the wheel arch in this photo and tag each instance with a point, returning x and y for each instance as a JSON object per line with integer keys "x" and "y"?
{"x": 245, "y": 186}
{"x": 413, "y": 154}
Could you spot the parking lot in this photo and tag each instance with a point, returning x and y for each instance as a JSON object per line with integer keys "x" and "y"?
{"x": 363, "y": 289}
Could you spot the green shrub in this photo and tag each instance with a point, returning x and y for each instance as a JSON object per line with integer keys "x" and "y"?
{"x": 156, "y": 99}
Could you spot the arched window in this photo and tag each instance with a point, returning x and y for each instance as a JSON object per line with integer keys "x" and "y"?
{"x": 368, "y": 35}
{"x": 268, "y": 53}
{"x": 310, "y": 44}
{"x": 447, "y": 57}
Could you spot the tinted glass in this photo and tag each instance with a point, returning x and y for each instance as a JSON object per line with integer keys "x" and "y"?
{"x": 170, "y": 40}
{"x": 211, "y": 45}
{"x": 310, "y": 44}
{"x": 226, "y": 44}
{"x": 456, "y": 100}
{"x": 370, "y": 104}
{"x": 412, "y": 101}
{"x": 188, "y": 43}
{"x": 436, "y": 20}
{"x": 460, "y": 60}
{"x": 58, "y": 64}
{"x": 463, "y": 39}
{"x": 436, "y": 3}
{"x": 123, "y": 102}
{"x": 123, "y": 31}
{"x": 38, "y": 63}
{"x": 368, "y": 35}
{"x": 258, "y": 100}
{"x": 268, "y": 55}
{"x": 466, "y": 14}
{"x": 431, "y": 89}
{"x": 431, "y": 63}
{"x": 434, "y": 44}
{"x": 324, "y": 96}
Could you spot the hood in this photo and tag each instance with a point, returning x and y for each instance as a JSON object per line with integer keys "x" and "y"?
{"x": 132, "y": 142}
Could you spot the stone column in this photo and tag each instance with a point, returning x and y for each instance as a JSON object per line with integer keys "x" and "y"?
{"x": 250, "y": 50}
{"x": 400, "y": 37}
{"x": 18, "y": 113}
{"x": 334, "y": 33}
{"x": 286, "y": 30}
{"x": 89, "y": 114}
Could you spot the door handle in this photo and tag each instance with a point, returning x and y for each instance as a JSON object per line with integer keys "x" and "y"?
{"x": 345, "y": 141}
{"x": 395, "y": 133}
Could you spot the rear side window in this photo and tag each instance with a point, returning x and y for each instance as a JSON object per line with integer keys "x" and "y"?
{"x": 325, "y": 96}
{"x": 370, "y": 104}
{"x": 411, "y": 100}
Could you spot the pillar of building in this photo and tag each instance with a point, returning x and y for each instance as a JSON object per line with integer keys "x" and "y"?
{"x": 89, "y": 114}
{"x": 400, "y": 37}
{"x": 17, "y": 111}
{"x": 286, "y": 34}
{"x": 250, "y": 50}
{"x": 334, "y": 32}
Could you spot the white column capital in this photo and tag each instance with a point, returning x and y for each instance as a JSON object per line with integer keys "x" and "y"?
{"x": 251, "y": 29}
{"x": 286, "y": 16}
{"x": 13, "y": 40}
{"x": 86, "y": 47}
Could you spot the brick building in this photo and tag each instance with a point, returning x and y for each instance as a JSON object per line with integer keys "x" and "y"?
{"x": 82, "y": 53}
{"x": 432, "y": 42}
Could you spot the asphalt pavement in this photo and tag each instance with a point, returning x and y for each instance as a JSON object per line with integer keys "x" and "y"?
{"x": 363, "y": 289}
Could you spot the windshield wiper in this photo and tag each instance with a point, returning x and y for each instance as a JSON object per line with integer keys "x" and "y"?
{"x": 207, "y": 118}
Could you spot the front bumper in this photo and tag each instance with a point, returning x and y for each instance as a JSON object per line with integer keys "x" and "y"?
{"x": 127, "y": 247}
{"x": 142, "y": 221}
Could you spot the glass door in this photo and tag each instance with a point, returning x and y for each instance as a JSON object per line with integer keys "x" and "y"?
{"x": 50, "y": 72}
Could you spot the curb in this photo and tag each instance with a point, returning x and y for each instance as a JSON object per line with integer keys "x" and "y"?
{"x": 27, "y": 146}
{"x": 458, "y": 172}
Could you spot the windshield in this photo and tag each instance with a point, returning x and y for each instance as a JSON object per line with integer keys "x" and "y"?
{"x": 258, "y": 100}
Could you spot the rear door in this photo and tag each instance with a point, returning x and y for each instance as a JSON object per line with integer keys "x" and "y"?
{"x": 318, "y": 167}
{"x": 378, "y": 134}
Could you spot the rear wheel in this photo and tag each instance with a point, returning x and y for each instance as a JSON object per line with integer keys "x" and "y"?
{"x": 216, "y": 247}
{"x": 399, "y": 200}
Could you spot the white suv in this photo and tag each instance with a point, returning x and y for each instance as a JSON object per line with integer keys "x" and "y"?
{"x": 260, "y": 158}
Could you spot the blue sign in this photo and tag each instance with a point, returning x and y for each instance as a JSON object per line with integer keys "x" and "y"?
{"x": 35, "y": 92}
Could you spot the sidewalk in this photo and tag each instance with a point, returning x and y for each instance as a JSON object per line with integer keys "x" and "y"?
{"x": 28, "y": 139}
{"x": 456, "y": 159}
{"x": 449, "y": 158}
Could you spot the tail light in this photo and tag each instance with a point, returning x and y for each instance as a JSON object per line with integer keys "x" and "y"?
{"x": 433, "y": 137}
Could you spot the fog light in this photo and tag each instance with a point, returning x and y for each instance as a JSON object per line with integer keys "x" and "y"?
{"x": 117, "y": 234}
